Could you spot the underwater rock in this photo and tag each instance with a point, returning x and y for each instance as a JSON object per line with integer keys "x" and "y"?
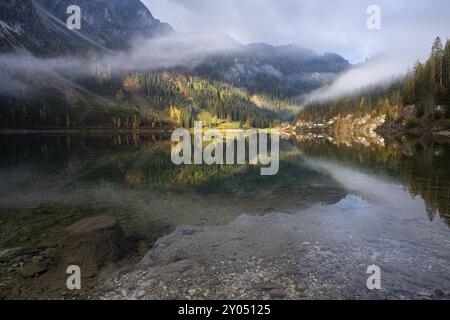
{"x": 92, "y": 243}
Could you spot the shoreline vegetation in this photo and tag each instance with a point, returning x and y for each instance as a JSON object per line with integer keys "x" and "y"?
{"x": 416, "y": 104}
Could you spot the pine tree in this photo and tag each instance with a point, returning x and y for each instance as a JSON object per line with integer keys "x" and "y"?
{"x": 429, "y": 87}
{"x": 437, "y": 54}
{"x": 437, "y": 48}
{"x": 120, "y": 95}
{"x": 409, "y": 95}
{"x": 419, "y": 88}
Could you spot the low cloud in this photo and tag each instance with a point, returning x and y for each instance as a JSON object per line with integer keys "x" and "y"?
{"x": 379, "y": 71}
{"x": 322, "y": 25}
{"x": 171, "y": 51}
{"x": 21, "y": 73}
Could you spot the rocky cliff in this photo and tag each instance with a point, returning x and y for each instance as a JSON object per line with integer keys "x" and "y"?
{"x": 39, "y": 26}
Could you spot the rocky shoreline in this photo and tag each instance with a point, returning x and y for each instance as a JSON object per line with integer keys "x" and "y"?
{"x": 248, "y": 259}
{"x": 427, "y": 129}
{"x": 370, "y": 126}
{"x": 97, "y": 245}
{"x": 349, "y": 128}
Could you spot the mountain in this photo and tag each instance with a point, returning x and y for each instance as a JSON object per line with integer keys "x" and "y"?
{"x": 22, "y": 29}
{"x": 285, "y": 72}
{"x": 39, "y": 26}
{"x": 251, "y": 85}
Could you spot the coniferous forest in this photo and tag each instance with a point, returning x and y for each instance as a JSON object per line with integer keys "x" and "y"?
{"x": 426, "y": 87}
{"x": 142, "y": 100}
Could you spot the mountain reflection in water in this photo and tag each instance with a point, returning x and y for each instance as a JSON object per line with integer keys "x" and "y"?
{"x": 387, "y": 194}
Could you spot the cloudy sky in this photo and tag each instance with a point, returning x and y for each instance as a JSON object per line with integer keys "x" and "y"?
{"x": 407, "y": 26}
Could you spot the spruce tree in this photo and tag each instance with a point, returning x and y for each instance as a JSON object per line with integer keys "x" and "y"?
{"x": 437, "y": 48}
{"x": 437, "y": 54}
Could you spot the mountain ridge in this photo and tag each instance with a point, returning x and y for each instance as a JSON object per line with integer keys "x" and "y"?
{"x": 274, "y": 74}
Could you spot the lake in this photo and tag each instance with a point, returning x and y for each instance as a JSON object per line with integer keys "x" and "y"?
{"x": 337, "y": 206}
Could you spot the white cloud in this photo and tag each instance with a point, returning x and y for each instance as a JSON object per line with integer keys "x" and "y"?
{"x": 322, "y": 25}
{"x": 378, "y": 71}
{"x": 408, "y": 28}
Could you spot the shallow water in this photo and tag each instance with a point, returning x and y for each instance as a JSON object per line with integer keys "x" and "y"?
{"x": 309, "y": 232}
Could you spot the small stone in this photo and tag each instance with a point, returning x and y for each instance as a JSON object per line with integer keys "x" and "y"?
{"x": 180, "y": 266}
{"x": 277, "y": 293}
{"x": 188, "y": 232}
{"x": 191, "y": 292}
{"x": 425, "y": 294}
{"x": 9, "y": 254}
{"x": 32, "y": 269}
{"x": 439, "y": 292}
{"x": 143, "y": 248}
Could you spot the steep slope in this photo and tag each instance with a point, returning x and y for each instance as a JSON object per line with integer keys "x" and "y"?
{"x": 39, "y": 26}
{"x": 21, "y": 28}
{"x": 110, "y": 23}
{"x": 280, "y": 71}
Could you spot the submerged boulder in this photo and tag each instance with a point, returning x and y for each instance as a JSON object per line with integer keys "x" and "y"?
{"x": 92, "y": 243}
